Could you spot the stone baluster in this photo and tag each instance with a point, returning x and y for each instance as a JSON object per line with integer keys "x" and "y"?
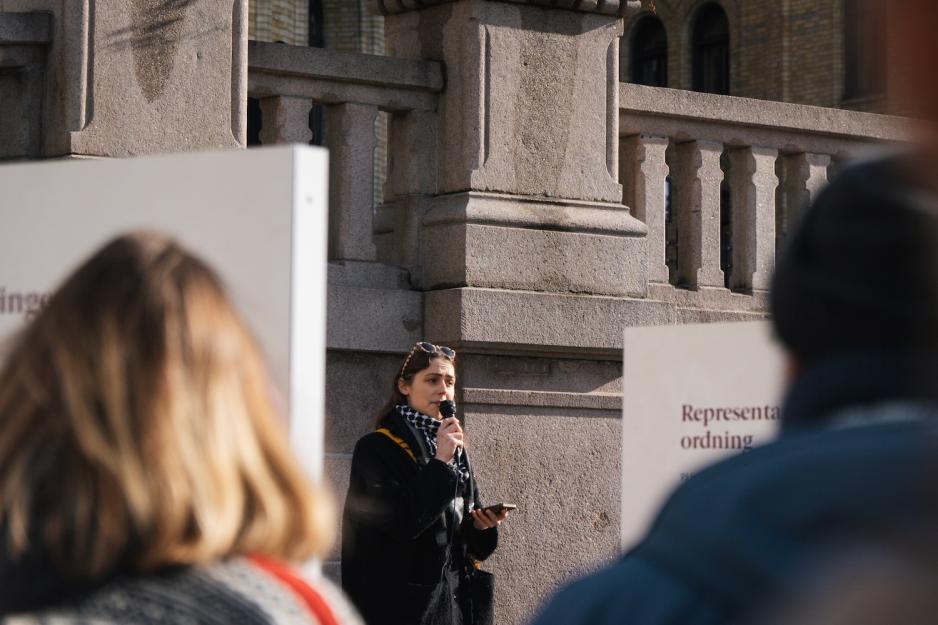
{"x": 351, "y": 139}
{"x": 285, "y": 119}
{"x": 804, "y": 175}
{"x": 697, "y": 207}
{"x": 642, "y": 173}
{"x": 753, "y": 182}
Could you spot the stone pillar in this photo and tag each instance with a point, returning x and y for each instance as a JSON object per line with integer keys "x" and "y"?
{"x": 697, "y": 207}
{"x": 351, "y": 141}
{"x": 805, "y": 174}
{"x": 528, "y": 139}
{"x": 285, "y": 120}
{"x": 643, "y": 175}
{"x": 128, "y": 77}
{"x": 527, "y": 257}
{"x": 753, "y": 183}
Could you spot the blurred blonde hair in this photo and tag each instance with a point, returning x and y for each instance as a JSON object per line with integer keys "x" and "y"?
{"x": 137, "y": 426}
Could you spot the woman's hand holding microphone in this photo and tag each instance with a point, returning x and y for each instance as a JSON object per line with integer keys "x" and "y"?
{"x": 450, "y": 434}
{"x": 448, "y": 438}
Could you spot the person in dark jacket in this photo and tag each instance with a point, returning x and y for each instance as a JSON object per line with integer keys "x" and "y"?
{"x": 855, "y": 304}
{"x": 414, "y": 529}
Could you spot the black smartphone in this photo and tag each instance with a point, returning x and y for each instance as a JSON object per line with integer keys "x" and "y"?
{"x": 498, "y": 507}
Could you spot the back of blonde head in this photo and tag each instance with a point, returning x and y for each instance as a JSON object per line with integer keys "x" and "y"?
{"x": 137, "y": 428}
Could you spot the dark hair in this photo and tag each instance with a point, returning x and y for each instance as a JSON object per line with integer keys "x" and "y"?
{"x": 107, "y": 399}
{"x": 419, "y": 360}
{"x": 859, "y": 273}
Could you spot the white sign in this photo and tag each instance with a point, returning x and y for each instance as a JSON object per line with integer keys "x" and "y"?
{"x": 691, "y": 395}
{"x": 257, "y": 216}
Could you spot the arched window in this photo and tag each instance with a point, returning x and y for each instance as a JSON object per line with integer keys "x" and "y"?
{"x": 316, "y": 35}
{"x": 650, "y": 53}
{"x": 864, "y": 49}
{"x": 711, "y": 49}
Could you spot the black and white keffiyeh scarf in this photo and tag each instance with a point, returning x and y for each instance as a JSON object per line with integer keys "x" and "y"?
{"x": 428, "y": 426}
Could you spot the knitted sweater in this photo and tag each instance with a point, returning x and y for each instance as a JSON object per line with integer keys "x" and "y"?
{"x": 236, "y": 591}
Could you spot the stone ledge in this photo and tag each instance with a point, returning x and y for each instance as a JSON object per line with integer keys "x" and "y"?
{"x": 549, "y": 324}
{"x": 499, "y": 209}
{"x": 710, "y": 298}
{"x": 517, "y": 259}
{"x": 547, "y": 399}
{"x": 605, "y": 7}
{"x": 705, "y": 108}
{"x": 25, "y": 28}
{"x": 344, "y": 67}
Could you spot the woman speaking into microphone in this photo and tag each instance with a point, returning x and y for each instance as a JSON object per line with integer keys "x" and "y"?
{"x": 414, "y": 529}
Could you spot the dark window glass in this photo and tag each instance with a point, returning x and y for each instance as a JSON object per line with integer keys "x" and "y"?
{"x": 316, "y": 37}
{"x": 864, "y": 49}
{"x": 650, "y": 53}
{"x": 726, "y": 233}
{"x": 711, "y": 49}
{"x": 254, "y": 122}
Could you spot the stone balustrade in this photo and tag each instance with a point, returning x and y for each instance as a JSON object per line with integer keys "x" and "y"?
{"x": 353, "y": 88}
{"x": 719, "y": 180}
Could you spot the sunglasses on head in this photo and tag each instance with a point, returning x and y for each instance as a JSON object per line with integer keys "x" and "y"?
{"x": 429, "y": 348}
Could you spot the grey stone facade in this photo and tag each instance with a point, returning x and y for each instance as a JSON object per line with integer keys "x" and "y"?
{"x": 123, "y": 78}
{"x": 792, "y": 51}
{"x": 530, "y": 203}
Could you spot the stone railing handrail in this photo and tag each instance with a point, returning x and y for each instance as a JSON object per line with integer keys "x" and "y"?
{"x": 329, "y": 76}
{"x": 352, "y": 89}
{"x": 735, "y": 120}
{"x": 733, "y": 174}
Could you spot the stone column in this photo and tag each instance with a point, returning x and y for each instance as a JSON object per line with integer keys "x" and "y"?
{"x": 128, "y": 77}
{"x": 805, "y": 174}
{"x": 528, "y": 139}
{"x": 643, "y": 175}
{"x": 528, "y": 259}
{"x": 697, "y": 207}
{"x": 753, "y": 183}
{"x": 351, "y": 141}
{"x": 285, "y": 120}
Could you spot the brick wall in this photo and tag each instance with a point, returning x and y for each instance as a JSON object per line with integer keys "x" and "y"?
{"x": 785, "y": 50}
{"x": 279, "y": 20}
{"x": 347, "y": 24}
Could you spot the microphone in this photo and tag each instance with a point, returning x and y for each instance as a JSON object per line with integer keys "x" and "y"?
{"x": 447, "y": 408}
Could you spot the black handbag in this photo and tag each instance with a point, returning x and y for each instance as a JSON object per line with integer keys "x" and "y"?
{"x": 481, "y": 586}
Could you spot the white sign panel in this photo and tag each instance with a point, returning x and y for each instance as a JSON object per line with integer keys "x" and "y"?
{"x": 691, "y": 395}
{"x": 258, "y": 216}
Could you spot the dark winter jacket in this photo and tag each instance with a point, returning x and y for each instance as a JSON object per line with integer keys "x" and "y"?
{"x": 856, "y": 464}
{"x": 403, "y": 555}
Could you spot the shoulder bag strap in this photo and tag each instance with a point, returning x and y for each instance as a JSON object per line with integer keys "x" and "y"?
{"x": 400, "y": 442}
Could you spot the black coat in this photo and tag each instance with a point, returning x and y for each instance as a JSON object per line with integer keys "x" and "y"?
{"x": 403, "y": 561}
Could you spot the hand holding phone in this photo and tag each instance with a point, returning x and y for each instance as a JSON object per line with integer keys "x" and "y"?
{"x": 496, "y": 508}
{"x": 490, "y": 516}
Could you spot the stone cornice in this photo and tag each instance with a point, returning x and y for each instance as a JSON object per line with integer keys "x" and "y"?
{"x": 605, "y": 7}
